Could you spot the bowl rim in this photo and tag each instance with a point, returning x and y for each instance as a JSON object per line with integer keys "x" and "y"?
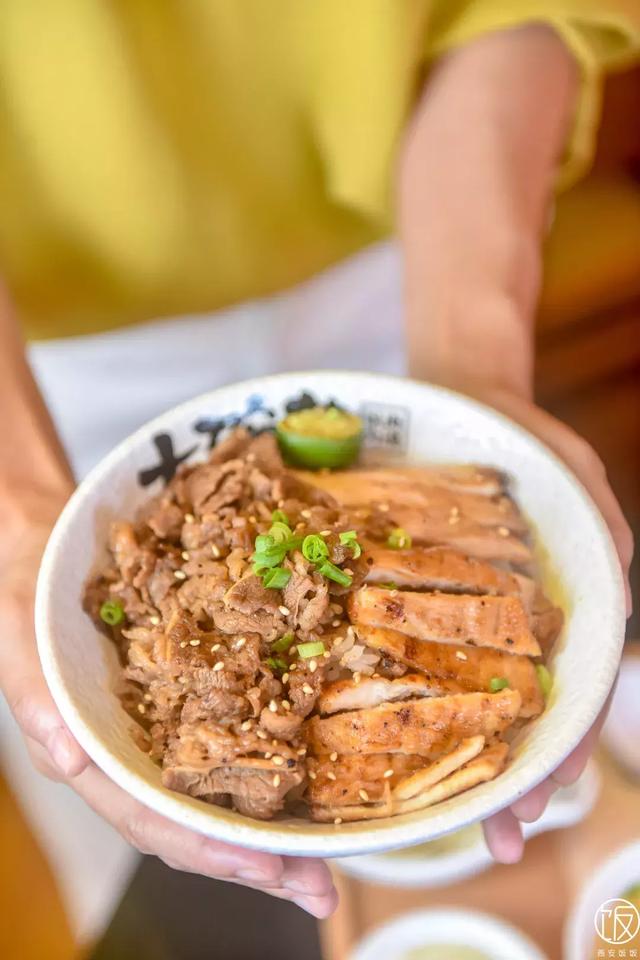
{"x": 325, "y": 840}
{"x": 402, "y": 933}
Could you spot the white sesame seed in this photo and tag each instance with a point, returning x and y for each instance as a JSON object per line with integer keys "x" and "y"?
{"x": 179, "y": 574}
{"x": 250, "y": 457}
{"x": 305, "y": 513}
{"x": 307, "y": 688}
{"x": 284, "y": 610}
{"x": 313, "y": 666}
{"x": 240, "y": 643}
{"x": 253, "y": 519}
{"x": 384, "y": 507}
{"x": 461, "y": 656}
{"x": 273, "y": 707}
{"x": 357, "y": 677}
{"x": 219, "y": 666}
{"x": 194, "y": 643}
{"x": 326, "y": 655}
{"x": 301, "y": 752}
{"x": 388, "y": 773}
{"x": 336, "y": 623}
{"x": 453, "y": 520}
{"x": 183, "y": 644}
{"x": 261, "y": 735}
{"x": 185, "y": 554}
{"x": 215, "y": 550}
{"x": 348, "y": 571}
{"x": 154, "y": 621}
{"x": 215, "y": 647}
{"x": 337, "y": 821}
{"x": 184, "y": 679}
{"x": 148, "y": 697}
{"x": 286, "y": 705}
{"x": 278, "y": 760}
{"x": 325, "y": 533}
{"x": 246, "y": 725}
{"x": 274, "y": 742}
{"x": 454, "y": 512}
{"x": 268, "y": 755}
{"x": 363, "y": 795}
{"x": 285, "y": 678}
{"x": 336, "y": 608}
{"x": 333, "y": 756}
{"x": 312, "y": 775}
{"x": 331, "y": 775}
{"x": 503, "y": 531}
{"x": 281, "y": 504}
{"x": 142, "y": 708}
{"x": 189, "y": 518}
{"x": 276, "y": 780}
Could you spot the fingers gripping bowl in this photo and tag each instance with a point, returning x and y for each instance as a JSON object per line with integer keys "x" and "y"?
{"x": 421, "y": 425}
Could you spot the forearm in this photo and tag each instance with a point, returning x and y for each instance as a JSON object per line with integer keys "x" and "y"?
{"x": 33, "y": 466}
{"x": 474, "y": 189}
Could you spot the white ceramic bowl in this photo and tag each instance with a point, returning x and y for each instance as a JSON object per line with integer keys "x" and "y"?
{"x": 404, "y": 419}
{"x": 609, "y": 881}
{"x": 462, "y": 928}
{"x": 465, "y": 854}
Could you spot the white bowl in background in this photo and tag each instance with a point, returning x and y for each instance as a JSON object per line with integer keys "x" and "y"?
{"x": 464, "y": 854}
{"x": 416, "y": 422}
{"x": 462, "y": 928}
{"x": 608, "y": 881}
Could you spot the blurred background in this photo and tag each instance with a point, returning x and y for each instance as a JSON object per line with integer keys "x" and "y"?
{"x": 588, "y": 374}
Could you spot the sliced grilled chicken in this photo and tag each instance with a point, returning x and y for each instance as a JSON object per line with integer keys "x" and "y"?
{"x": 353, "y": 486}
{"x": 370, "y": 691}
{"x": 474, "y": 667}
{"x": 354, "y": 779}
{"x": 498, "y": 622}
{"x": 484, "y": 767}
{"x": 428, "y": 727}
{"x": 418, "y": 781}
{"x": 440, "y": 568}
{"x": 463, "y": 534}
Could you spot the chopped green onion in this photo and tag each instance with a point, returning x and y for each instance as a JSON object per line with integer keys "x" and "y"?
{"x": 350, "y": 539}
{"x": 277, "y": 664}
{"x": 264, "y": 542}
{"x": 112, "y": 612}
{"x": 283, "y": 643}
{"x": 387, "y": 586}
{"x": 307, "y": 650}
{"x": 314, "y": 549}
{"x": 544, "y": 679}
{"x": 277, "y": 578}
{"x": 399, "y": 539}
{"x": 331, "y": 572}
{"x": 280, "y": 532}
{"x": 279, "y": 516}
{"x": 498, "y": 683}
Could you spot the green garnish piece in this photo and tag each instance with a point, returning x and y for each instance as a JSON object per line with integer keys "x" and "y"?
{"x": 307, "y": 650}
{"x": 314, "y": 549}
{"x": 276, "y": 578}
{"x": 277, "y": 664}
{"x": 350, "y": 539}
{"x": 545, "y": 679}
{"x": 282, "y": 644}
{"x": 331, "y": 572}
{"x": 112, "y": 612}
{"x": 279, "y": 516}
{"x": 280, "y": 531}
{"x": 320, "y": 437}
{"x": 633, "y": 893}
{"x": 498, "y": 683}
{"x": 387, "y": 586}
{"x": 269, "y": 553}
{"x": 399, "y": 539}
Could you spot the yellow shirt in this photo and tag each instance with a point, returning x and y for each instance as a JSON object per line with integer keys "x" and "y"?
{"x": 162, "y": 156}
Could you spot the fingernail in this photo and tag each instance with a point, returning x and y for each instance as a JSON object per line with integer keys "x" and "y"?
{"x": 62, "y": 752}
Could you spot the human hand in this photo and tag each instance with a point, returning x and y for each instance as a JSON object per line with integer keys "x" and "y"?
{"x": 25, "y": 523}
{"x": 503, "y": 831}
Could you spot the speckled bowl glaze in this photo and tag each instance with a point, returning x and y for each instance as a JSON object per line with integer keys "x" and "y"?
{"x": 406, "y": 421}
